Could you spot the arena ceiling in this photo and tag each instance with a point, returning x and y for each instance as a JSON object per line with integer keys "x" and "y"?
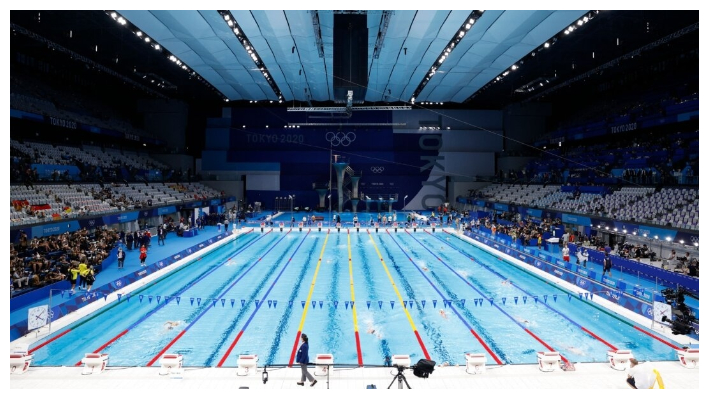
{"x": 455, "y": 57}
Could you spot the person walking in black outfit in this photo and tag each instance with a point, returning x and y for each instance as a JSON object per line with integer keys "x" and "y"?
{"x": 161, "y": 235}
{"x": 129, "y": 241}
{"x": 607, "y": 266}
{"x": 302, "y": 359}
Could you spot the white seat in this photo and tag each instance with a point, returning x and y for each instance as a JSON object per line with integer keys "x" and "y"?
{"x": 688, "y": 358}
{"x": 20, "y": 363}
{"x": 401, "y": 360}
{"x": 323, "y": 362}
{"x": 94, "y": 363}
{"x": 475, "y": 363}
{"x": 549, "y": 361}
{"x": 171, "y": 364}
{"x": 619, "y": 359}
{"x": 247, "y": 365}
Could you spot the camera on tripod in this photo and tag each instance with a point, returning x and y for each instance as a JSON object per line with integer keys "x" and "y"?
{"x": 683, "y": 315}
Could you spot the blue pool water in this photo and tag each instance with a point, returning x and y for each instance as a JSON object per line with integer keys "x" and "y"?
{"x": 419, "y": 294}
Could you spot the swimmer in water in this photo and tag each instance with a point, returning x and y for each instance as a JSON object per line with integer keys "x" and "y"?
{"x": 171, "y": 324}
{"x": 507, "y": 282}
{"x": 424, "y": 268}
{"x": 576, "y": 351}
{"x": 443, "y": 314}
{"x": 374, "y": 332}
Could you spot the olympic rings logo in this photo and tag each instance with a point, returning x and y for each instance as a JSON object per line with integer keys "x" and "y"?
{"x": 377, "y": 169}
{"x": 340, "y": 138}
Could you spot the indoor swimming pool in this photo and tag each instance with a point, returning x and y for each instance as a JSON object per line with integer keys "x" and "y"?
{"x": 362, "y": 296}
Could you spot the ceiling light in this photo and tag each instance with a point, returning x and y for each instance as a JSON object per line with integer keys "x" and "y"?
{"x": 243, "y": 126}
{"x": 467, "y": 26}
{"x": 226, "y": 17}
{"x": 585, "y": 19}
{"x": 172, "y": 58}
{"x": 157, "y": 47}
{"x": 546, "y": 45}
{"x": 566, "y": 32}
{"x": 121, "y": 20}
{"x": 461, "y": 34}
{"x": 147, "y": 39}
{"x": 236, "y": 31}
{"x": 471, "y": 21}
{"x": 579, "y": 22}
{"x": 514, "y": 67}
{"x": 139, "y": 33}
{"x": 571, "y": 28}
{"x": 114, "y": 15}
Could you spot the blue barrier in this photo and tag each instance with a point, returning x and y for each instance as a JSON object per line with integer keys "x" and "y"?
{"x": 667, "y": 277}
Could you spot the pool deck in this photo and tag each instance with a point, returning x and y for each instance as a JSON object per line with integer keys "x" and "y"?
{"x": 586, "y": 377}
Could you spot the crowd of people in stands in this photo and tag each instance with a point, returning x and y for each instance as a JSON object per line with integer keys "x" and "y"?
{"x": 526, "y": 230}
{"x": 45, "y": 260}
{"x": 531, "y": 232}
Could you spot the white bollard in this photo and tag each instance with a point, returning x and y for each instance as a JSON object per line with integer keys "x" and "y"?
{"x": 475, "y": 363}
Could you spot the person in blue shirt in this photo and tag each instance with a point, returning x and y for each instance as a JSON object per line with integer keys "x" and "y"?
{"x": 302, "y": 359}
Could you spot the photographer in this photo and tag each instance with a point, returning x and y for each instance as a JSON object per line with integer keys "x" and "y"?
{"x": 641, "y": 375}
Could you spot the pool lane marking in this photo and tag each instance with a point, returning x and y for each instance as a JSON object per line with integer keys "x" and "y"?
{"x": 307, "y": 301}
{"x": 657, "y": 338}
{"x": 160, "y": 306}
{"x": 352, "y": 296}
{"x": 590, "y": 304}
{"x": 470, "y": 328}
{"x": 263, "y": 300}
{"x": 47, "y": 342}
{"x": 207, "y": 307}
{"x": 401, "y": 300}
{"x": 493, "y": 304}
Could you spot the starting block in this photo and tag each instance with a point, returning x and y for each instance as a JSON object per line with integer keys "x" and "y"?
{"x": 20, "y": 362}
{"x": 619, "y": 359}
{"x": 549, "y": 361}
{"x": 401, "y": 360}
{"x": 94, "y": 363}
{"x": 170, "y": 364}
{"x": 475, "y": 363}
{"x": 323, "y": 361}
{"x": 247, "y": 365}
{"x": 688, "y": 358}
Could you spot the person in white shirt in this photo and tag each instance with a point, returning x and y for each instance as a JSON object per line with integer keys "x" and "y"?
{"x": 641, "y": 375}
{"x": 565, "y": 253}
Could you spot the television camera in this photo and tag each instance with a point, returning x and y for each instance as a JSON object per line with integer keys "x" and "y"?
{"x": 682, "y": 316}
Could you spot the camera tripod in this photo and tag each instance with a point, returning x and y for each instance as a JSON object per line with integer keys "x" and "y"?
{"x": 402, "y": 379}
